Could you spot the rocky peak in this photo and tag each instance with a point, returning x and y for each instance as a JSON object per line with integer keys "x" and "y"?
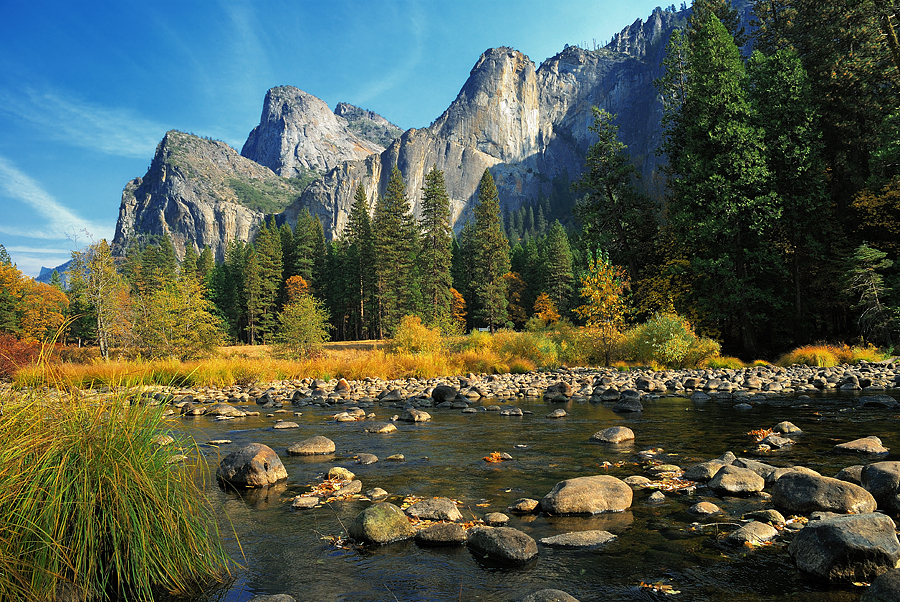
{"x": 200, "y": 192}
{"x": 496, "y": 111}
{"x": 368, "y": 125}
{"x": 298, "y": 133}
{"x": 641, "y": 39}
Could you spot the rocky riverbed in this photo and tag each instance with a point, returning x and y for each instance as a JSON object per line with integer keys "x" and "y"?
{"x": 835, "y": 528}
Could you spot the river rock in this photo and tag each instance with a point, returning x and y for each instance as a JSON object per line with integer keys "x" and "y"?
{"x": 225, "y": 409}
{"x": 495, "y": 519}
{"x": 381, "y": 524}
{"x": 285, "y": 424}
{"x": 767, "y": 516}
{"x": 707, "y": 470}
{"x": 557, "y": 413}
{"x": 442, "y": 534}
{"x": 273, "y": 598}
{"x": 549, "y": 595}
{"x": 704, "y": 509}
{"x": 442, "y": 393}
{"x": 736, "y": 481}
{"x": 340, "y": 473}
{"x": 579, "y": 539}
{"x": 857, "y": 547}
{"x": 882, "y": 480}
{"x": 254, "y": 465}
{"x": 524, "y": 506}
{"x": 312, "y": 446}
{"x": 366, "y": 459}
{"x": 851, "y": 474}
{"x": 381, "y": 428}
{"x": 629, "y": 401}
{"x": 786, "y": 470}
{"x": 867, "y": 445}
{"x": 761, "y": 468}
{"x": 438, "y": 508}
{"x": 351, "y": 488}
{"x": 414, "y": 415}
{"x": 376, "y": 494}
{"x": 588, "y": 495}
{"x": 786, "y": 428}
{"x": 885, "y": 588}
{"x": 803, "y": 493}
{"x": 753, "y": 532}
{"x": 502, "y": 544}
{"x": 304, "y": 501}
{"x": 613, "y": 434}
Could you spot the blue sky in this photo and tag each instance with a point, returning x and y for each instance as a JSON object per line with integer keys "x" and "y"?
{"x": 87, "y": 89}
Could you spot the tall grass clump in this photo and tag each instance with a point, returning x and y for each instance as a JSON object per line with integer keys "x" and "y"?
{"x": 92, "y": 506}
{"x": 668, "y": 340}
{"x": 826, "y": 356}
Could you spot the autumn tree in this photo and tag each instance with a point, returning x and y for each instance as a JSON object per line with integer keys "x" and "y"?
{"x": 93, "y": 275}
{"x": 490, "y": 257}
{"x": 545, "y": 309}
{"x": 603, "y": 288}
{"x": 43, "y": 311}
{"x": 179, "y": 321}
{"x": 303, "y": 327}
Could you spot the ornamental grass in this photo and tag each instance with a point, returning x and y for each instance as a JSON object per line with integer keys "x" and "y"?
{"x": 94, "y": 509}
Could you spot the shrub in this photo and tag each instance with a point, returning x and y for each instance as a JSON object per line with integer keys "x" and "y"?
{"x": 92, "y": 504}
{"x": 668, "y": 340}
{"x": 825, "y": 356}
{"x": 731, "y": 363}
{"x": 16, "y": 354}
{"x": 304, "y": 328}
{"x": 413, "y": 337}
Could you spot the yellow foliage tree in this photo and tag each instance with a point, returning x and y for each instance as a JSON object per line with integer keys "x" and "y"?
{"x": 603, "y": 288}
{"x": 294, "y": 288}
{"x": 545, "y": 309}
{"x": 458, "y": 306}
{"x": 43, "y": 311}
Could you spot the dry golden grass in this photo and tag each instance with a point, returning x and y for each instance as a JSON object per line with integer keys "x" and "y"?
{"x": 831, "y": 355}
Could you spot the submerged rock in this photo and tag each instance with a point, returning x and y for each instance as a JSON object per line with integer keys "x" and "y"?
{"x": 312, "y": 446}
{"x": 549, "y": 595}
{"x": 439, "y": 508}
{"x": 442, "y": 534}
{"x": 614, "y": 434}
{"x": 579, "y": 539}
{"x": 753, "y": 532}
{"x": 867, "y": 445}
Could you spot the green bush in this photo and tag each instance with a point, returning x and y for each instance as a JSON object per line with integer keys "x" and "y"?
{"x": 668, "y": 340}
{"x": 304, "y": 328}
{"x": 92, "y": 505}
{"x": 415, "y": 338}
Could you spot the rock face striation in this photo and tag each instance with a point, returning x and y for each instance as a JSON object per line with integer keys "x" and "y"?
{"x": 528, "y": 124}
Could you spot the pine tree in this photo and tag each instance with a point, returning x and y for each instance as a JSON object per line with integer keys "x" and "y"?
{"x": 5, "y": 259}
{"x": 302, "y": 256}
{"x": 490, "y": 256}
{"x": 269, "y": 259}
{"x": 395, "y": 241}
{"x": 360, "y": 259}
{"x": 866, "y": 283}
{"x": 435, "y": 258}
{"x": 614, "y": 213}
{"x": 721, "y": 207}
{"x": 556, "y": 260}
{"x": 205, "y": 263}
{"x": 189, "y": 263}
{"x": 253, "y": 295}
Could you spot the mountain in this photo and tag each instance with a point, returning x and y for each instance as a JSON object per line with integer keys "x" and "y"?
{"x": 200, "y": 192}
{"x": 528, "y": 124}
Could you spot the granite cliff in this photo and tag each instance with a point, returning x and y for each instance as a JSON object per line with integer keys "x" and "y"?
{"x": 528, "y": 124}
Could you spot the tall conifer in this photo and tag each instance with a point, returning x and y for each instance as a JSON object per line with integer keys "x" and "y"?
{"x": 490, "y": 257}
{"x": 436, "y": 255}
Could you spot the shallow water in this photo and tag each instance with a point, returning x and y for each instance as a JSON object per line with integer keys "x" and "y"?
{"x": 284, "y": 551}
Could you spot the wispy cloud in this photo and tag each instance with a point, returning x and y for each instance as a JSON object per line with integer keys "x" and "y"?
{"x": 416, "y": 27}
{"x": 60, "y": 221}
{"x": 111, "y": 130}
